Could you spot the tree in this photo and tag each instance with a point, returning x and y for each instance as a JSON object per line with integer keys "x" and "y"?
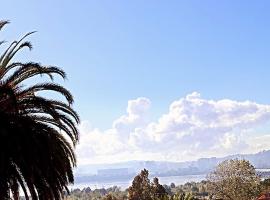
{"x": 157, "y": 190}
{"x": 109, "y": 197}
{"x": 37, "y": 134}
{"x": 183, "y": 196}
{"x": 234, "y": 179}
{"x": 143, "y": 189}
{"x": 265, "y": 186}
{"x": 140, "y": 188}
{"x": 172, "y": 185}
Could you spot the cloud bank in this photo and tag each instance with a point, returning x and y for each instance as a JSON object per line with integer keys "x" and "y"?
{"x": 193, "y": 127}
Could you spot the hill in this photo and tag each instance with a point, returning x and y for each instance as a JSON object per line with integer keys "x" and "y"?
{"x": 163, "y": 168}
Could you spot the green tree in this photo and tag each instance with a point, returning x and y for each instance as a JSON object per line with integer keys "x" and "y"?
{"x": 183, "y": 196}
{"x": 172, "y": 185}
{"x": 37, "y": 134}
{"x": 265, "y": 186}
{"x": 109, "y": 197}
{"x": 157, "y": 190}
{"x": 140, "y": 188}
{"x": 234, "y": 179}
{"x": 143, "y": 189}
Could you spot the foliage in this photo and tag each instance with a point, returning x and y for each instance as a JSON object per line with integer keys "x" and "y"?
{"x": 109, "y": 193}
{"x": 265, "y": 186}
{"x": 188, "y": 191}
{"x": 37, "y": 134}
{"x": 180, "y": 192}
{"x": 234, "y": 179}
{"x": 109, "y": 197}
{"x": 115, "y": 193}
{"x": 142, "y": 189}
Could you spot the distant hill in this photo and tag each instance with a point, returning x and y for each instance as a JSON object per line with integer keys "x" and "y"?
{"x": 258, "y": 160}
{"x": 162, "y": 168}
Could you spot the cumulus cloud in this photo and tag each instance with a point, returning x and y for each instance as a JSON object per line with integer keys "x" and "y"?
{"x": 192, "y": 127}
{"x": 136, "y": 117}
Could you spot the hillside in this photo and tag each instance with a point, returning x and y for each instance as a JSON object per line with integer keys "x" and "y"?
{"x": 162, "y": 168}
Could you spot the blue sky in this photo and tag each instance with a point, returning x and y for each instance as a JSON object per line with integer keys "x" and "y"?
{"x": 115, "y": 51}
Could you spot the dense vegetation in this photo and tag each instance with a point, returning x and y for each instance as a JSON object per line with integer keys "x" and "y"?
{"x": 187, "y": 191}
{"x": 37, "y": 134}
{"x": 231, "y": 180}
{"x": 142, "y": 188}
{"x": 234, "y": 179}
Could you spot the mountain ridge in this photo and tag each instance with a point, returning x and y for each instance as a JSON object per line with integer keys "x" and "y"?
{"x": 199, "y": 166}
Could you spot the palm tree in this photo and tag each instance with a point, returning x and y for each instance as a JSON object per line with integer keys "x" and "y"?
{"x": 37, "y": 134}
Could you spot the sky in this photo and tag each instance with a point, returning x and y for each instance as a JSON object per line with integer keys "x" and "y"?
{"x": 156, "y": 80}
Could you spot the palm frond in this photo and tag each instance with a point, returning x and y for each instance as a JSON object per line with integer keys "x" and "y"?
{"x": 3, "y": 23}
{"x": 37, "y": 135}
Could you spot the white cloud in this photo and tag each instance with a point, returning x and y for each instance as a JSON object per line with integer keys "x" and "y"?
{"x": 137, "y": 116}
{"x": 192, "y": 128}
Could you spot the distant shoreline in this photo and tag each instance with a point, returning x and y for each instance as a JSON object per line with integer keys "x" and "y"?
{"x": 125, "y": 183}
{"x": 97, "y": 182}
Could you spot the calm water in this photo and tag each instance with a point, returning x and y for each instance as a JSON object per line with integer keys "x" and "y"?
{"x": 125, "y": 184}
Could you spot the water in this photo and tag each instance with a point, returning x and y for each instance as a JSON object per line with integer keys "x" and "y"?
{"x": 178, "y": 180}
